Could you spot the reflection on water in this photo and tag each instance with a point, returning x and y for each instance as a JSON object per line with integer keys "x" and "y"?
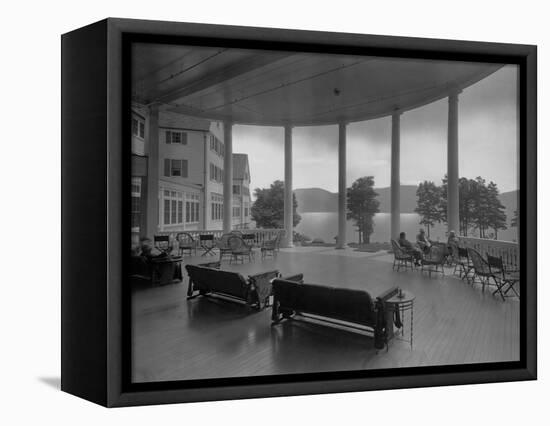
{"x": 325, "y": 225}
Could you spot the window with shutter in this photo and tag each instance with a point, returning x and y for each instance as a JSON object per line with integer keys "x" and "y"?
{"x": 184, "y": 168}
{"x": 166, "y": 167}
{"x": 180, "y": 211}
{"x": 176, "y": 167}
{"x": 166, "y": 212}
{"x": 174, "y": 211}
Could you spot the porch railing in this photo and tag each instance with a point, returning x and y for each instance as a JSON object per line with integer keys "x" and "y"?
{"x": 260, "y": 235}
{"x": 509, "y": 251}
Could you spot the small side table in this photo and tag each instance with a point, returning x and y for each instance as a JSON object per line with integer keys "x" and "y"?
{"x": 404, "y": 303}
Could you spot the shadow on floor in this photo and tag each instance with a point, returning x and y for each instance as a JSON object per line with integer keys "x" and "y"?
{"x": 54, "y": 382}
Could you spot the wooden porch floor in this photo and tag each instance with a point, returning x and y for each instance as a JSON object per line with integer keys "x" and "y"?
{"x": 454, "y": 323}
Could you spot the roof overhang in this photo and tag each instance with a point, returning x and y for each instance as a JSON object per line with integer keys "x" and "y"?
{"x": 278, "y": 88}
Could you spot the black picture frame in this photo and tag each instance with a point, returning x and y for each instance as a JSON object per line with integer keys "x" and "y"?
{"x": 95, "y": 169}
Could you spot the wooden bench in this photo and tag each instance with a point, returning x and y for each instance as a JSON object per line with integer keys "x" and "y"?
{"x": 352, "y": 308}
{"x": 208, "y": 279}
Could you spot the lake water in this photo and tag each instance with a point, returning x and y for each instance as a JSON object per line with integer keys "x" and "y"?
{"x": 325, "y": 225}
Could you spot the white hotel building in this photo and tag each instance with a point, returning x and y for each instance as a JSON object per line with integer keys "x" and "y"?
{"x": 190, "y": 175}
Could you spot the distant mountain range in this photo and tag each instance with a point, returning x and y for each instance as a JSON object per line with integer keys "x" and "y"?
{"x": 321, "y": 200}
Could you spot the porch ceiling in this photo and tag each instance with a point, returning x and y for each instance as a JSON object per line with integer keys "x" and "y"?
{"x": 275, "y": 88}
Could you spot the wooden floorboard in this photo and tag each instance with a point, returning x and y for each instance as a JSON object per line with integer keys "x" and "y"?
{"x": 454, "y": 323}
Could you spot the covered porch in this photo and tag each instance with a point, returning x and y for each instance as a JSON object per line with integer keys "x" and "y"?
{"x": 205, "y": 337}
{"x": 289, "y": 90}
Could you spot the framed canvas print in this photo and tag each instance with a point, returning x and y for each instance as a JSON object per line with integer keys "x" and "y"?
{"x": 253, "y": 212}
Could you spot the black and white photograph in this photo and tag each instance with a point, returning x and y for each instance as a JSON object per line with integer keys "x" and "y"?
{"x": 303, "y": 212}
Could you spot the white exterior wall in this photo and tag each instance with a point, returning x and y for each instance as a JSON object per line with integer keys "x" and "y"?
{"x": 242, "y": 200}
{"x": 198, "y": 182}
{"x": 213, "y": 187}
{"x": 185, "y": 188}
{"x": 192, "y": 184}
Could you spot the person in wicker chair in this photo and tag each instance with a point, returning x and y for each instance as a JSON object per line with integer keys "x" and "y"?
{"x": 148, "y": 250}
{"x": 154, "y": 265}
{"x": 452, "y": 240}
{"x": 423, "y": 242}
{"x": 410, "y": 248}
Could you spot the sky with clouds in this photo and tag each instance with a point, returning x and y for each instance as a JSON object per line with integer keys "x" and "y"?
{"x": 488, "y": 135}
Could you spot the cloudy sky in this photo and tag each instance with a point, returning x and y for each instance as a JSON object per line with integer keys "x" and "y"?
{"x": 487, "y": 143}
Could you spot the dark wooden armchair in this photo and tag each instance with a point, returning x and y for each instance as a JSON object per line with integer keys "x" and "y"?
{"x": 162, "y": 243}
{"x": 159, "y": 270}
{"x": 206, "y": 242}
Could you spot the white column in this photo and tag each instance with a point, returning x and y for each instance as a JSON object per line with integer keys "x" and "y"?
{"x": 341, "y": 240}
{"x": 452, "y": 165}
{"x": 288, "y": 196}
{"x": 152, "y": 212}
{"x": 395, "y": 178}
{"x": 241, "y": 203}
{"x": 206, "y": 209}
{"x": 227, "y": 176}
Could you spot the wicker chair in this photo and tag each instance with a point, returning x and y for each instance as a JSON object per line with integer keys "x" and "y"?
{"x": 506, "y": 278}
{"x": 222, "y": 244}
{"x": 461, "y": 262}
{"x": 482, "y": 270}
{"x": 239, "y": 249}
{"x": 401, "y": 259}
{"x": 442, "y": 246}
{"x": 187, "y": 244}
{"x": 435, "y": 259}
{"x": 271, "y": 247}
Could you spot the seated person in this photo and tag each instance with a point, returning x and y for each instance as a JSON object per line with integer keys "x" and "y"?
{"x": 148, "y": 250}
{"x": 165, "y": 271}
{"x": 452, "y": 240}
{"x": 423, "y": 242}
{"x": 410, "y": 248}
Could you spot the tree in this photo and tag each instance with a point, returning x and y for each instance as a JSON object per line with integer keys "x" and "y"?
{"x": 479, "y": 206}
{"x": 362, "y": 206}
{"x": 496, "y": 218}
{"x": 268, "y": 209}
{"x": 515, "y": 220}
{"x": 428, "y": 204}
{"x": 465, "y": 204}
